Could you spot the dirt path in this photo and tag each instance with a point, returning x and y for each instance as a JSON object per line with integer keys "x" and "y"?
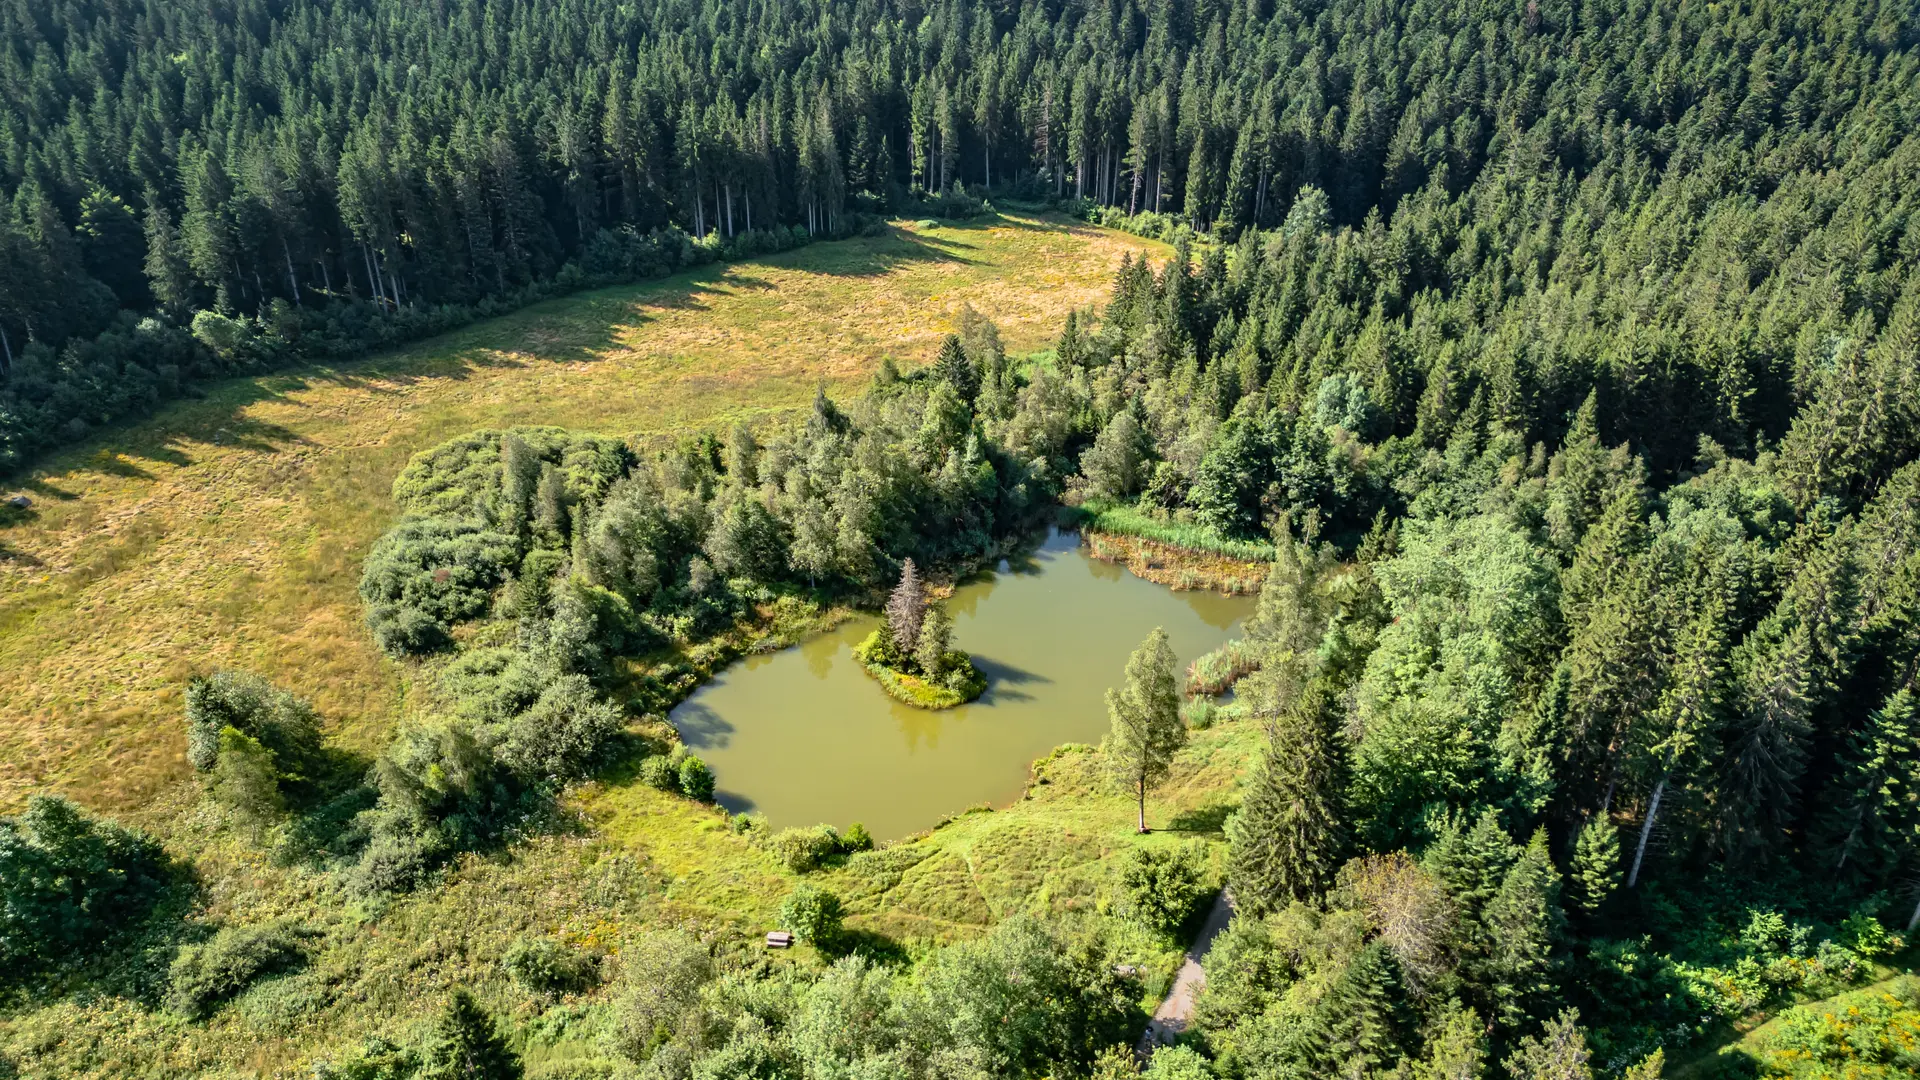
{"x": 1176, "y": 1012}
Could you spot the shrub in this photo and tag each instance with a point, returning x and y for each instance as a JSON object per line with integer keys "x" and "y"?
{"x": 563, "y": 734}
{"x": 856, "y": 838}
{"x": 1199, "y": 714}
{"x": 284, "y": 725}
{"x": 659, "y": 772}
{"x": 1870, "y": 1034}
{"x": 209, "y": 973}
{"x": 813, "y": 914}
{"x": 1161, "y": 888}
{"x": 68, "y": 883}
{"x": 244, "y": 778}
{"x": 1178, "y": 1063}
{"x": 400, "y": 630}
{"x": 546, "y": 966}
{"x": 1218, "y": 671}
{"x": 396, "y": 861}
{"x": 696, "y": 780}
{"x": 428, "y": 573}
{"x": 806, "y": 850}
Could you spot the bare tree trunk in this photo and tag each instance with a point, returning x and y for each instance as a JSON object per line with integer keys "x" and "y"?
{"x": 6, "y": 350}
{"x": 293, "y": 282}
{"x": 1143, "y": 806}
{"x": 373, "y": 275}
{"x": 1646, "y": 830}
{"x": 1914, "y": 919}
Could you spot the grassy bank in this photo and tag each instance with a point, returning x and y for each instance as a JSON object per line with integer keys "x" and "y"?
{"x": 1179, "y": 555}
{"x": 621, "y": 858}
{"x": 1126, "y": 519}
{"x": 228, "y": 531}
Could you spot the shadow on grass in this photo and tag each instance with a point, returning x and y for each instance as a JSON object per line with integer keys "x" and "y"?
{"x": 1211, "y": 818}
{"x": 213, "y": 412}
{"x": 879, "y": 948}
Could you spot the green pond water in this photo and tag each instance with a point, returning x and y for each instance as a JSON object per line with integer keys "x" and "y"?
{"x": 805, "y": 736}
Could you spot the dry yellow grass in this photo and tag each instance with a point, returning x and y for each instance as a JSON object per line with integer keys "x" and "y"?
{"x": 228, "y": 531}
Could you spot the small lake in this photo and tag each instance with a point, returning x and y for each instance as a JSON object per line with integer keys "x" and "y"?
{"x": 805, "y": 736}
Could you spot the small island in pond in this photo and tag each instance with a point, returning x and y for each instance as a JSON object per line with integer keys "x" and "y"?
{"x": 912, "y": 654}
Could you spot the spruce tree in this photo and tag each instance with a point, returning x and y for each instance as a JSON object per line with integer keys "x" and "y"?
{"x": 953, "y": 366}
{"x": 467, "y": 1045}
{"x": 936, "y": 634}
{"x": 1472, "y": 861}
{"x": 1456, "y": 1049}
{"x": 1595, "y": 872}
{"x": 1559, "y": 1052}
{"x": 1285, "y": 842}
{"x": 1145, "y": 714}
{"x": 1871, "y": 825}
{"x": 1364, "y": 1015}
{"x": 1521, "y": 921}
{"x": 1765, "y": 744}
{"x": 906, "y": 609}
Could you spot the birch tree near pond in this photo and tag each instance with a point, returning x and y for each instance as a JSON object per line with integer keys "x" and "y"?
{"x": 1146, "y": 720}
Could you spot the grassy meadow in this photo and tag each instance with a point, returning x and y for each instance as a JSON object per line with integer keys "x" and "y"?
{"x": 229, "y": 530}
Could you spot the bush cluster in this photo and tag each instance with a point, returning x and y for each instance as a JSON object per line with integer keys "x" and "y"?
{"x": 1162, "y": 888}
{"x": 955, "y": 682}
{"x": 68, "y": 883}
{"x": 813, "y": 915}
{"x": 804, "y": 850}
{"x": 205, "y": 974}
{"x": 546, "y": 966}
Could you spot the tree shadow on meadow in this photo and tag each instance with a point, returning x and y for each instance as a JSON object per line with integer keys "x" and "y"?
{"x": 584, "y": 327}
{"x": 1208, "y": 819}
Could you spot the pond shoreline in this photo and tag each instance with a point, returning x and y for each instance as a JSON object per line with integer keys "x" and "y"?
{"x": 804, "y": 736}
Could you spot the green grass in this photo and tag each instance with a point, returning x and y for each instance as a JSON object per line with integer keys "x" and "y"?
{"x": 228, "y": 531}
{"x": 1751, "y": 1048}
{"x": 1126, "y": 519}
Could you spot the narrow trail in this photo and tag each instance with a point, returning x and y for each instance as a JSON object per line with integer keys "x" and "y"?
{"x": 1176, "y": 1012}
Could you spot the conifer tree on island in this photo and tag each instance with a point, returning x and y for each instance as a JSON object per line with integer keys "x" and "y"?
{"x": 1146, "y": 720}
{"x": 907, "y": 608}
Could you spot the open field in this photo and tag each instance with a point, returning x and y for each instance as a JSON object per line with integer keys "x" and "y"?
{"x": 228, "y": 531}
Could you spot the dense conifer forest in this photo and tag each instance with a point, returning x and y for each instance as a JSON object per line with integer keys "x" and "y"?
{"x": 323, "y": 176}
{"x": 1562, "y": 361}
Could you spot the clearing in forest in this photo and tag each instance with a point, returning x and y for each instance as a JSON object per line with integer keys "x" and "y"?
{"x": 229, "y": 531}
